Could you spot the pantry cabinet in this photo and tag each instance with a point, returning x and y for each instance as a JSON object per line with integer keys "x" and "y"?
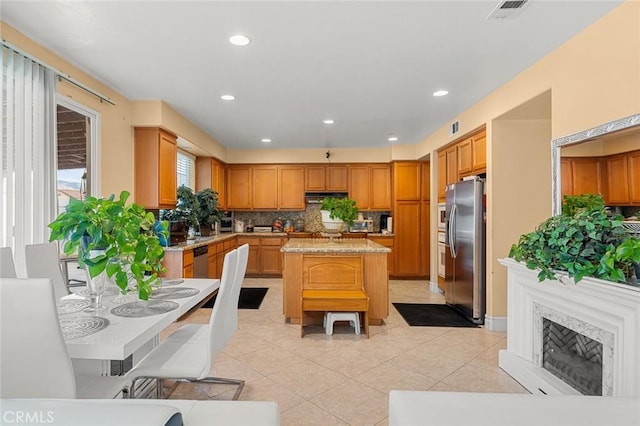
{"x": 406, "y": 180}
{"x": 155, "y": 168}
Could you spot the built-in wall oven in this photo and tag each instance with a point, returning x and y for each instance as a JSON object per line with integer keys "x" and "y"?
{"x": 441, "y": 253}
{"x": 442, "y": 217}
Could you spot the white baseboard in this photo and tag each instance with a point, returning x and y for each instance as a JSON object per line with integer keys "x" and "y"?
{"x": 495, "y": 323}
{"x": 433, "y": 288}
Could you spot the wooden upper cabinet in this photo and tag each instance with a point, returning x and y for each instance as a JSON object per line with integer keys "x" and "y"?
{"x": 239, "y": 187}
{"x": 291, "y": 188}
{"x": 155, "y": 162}
{"x": 337, "y": 178}
{"x": 380, "y": 178}
{"x": 479, "y": 152}
{"x": 585, "y": 176}
{"x": 426, "y": 181}
{"x": 452, "y": 165}
{"x": 326, "y": 178}
{"x": 360, "y": 185}
{"x": 265, "y": 187}
{"x": 370, "y": 186}
{"x": 566, "y": 180}
{"x": 406, "y": 180}
{"x": 617, "y": 179}
{"x": 465, "y": 157}
{"x": 633, "y": 162}
{"x": 210, "y": 173}
{"x": 442, "y": 175}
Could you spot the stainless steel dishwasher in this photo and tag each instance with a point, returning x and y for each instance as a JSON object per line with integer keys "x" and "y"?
{"x": 200, "y": 262}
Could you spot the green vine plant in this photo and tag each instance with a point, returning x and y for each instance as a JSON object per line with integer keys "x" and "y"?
{"x": 340, "y": 208}
{"x": 128, "y": 235}
{"x": 589, "y": 243}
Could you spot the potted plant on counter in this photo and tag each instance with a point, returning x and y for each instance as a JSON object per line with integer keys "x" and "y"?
{"x": 208, "y": 212}
{"x": 184, "y": 215}
{"x": 336, "y": 212}
{"x": 584, "y": 241}
{"x": 112, "y": 237}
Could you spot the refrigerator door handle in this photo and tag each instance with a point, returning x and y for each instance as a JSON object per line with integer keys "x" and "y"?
{"x": 452, "y": 227}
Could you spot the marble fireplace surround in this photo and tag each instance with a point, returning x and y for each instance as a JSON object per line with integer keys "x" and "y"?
{"x": 606, "y": 312}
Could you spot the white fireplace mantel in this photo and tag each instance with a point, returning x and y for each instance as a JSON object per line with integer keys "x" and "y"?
{"x": 608, "y": 312}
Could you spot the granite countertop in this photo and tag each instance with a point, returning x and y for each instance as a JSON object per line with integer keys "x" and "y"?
{"x": 338, "y": 245}
{"x": 203, "y": 241}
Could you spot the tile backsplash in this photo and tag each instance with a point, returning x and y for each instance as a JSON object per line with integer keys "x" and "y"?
{"x": 311, "y": 217}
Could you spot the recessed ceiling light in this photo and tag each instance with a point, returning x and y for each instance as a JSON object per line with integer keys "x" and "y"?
{"x": 227, "y": 97}
{"x": 266, "y": 140}
{"x": 393, "y": 139}
{"x": 328, "y": 121}
{"x": 239, "y": 40}
{"x": 438, "y": 93}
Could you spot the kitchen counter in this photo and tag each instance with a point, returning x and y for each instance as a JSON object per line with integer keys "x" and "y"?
{"x": 338, "y": 245}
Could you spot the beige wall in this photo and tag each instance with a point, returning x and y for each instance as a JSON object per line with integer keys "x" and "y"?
{"x": 310, "y": 155}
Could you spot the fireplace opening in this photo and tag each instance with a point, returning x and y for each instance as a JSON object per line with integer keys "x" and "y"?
{"x": 573, "y": 357}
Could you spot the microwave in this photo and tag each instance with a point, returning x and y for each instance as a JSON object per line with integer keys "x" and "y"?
{"x": 362, "y": 225}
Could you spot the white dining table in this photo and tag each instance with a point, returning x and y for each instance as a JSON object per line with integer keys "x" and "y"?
{"x": 124, "y": 336}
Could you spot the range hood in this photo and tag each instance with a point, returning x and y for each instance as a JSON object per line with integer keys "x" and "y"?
{"x": 317, "y": 197}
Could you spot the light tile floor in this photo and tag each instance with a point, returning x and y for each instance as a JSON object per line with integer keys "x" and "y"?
{"x": 345, "y": 379}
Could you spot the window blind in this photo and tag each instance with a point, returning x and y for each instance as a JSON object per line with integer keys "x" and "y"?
{"x": 186, "y": 169}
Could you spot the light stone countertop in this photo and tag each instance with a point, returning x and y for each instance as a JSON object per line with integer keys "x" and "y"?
{"x": 203, "y": 241}
{"x": 338, "y": 245}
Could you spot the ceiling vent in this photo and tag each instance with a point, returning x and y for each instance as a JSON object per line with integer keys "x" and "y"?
{"x": 507, "y": 9}
{"x": 454, "y": 128}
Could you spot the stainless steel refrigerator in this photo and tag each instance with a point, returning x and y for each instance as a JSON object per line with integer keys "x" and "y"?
{"x": 465, "y": 249}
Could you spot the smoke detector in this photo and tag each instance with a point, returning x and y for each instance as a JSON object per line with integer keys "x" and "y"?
{"x": 506, "y": 9}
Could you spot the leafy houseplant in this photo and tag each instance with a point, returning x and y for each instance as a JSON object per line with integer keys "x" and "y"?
{"x": 125, "y": 233}
{"x": 340, "y": 208}
{"x": 588, "y": 243}
{"x": 208, "y": 213}
{"x": 187, "y": 208}
{"x": 572, "y": 203}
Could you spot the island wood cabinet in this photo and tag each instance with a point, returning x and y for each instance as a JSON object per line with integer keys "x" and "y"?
{"x": 387, "y": 241}
{"x": 326, "y": 178}
{"x": 370, "y": 186}
{"x": 265, "y": 187}
{"x": 211, "y": 173}
{"x": 376, "y": 285}
{"x": 265, "y": 258}
{"x": 155, "y": 165}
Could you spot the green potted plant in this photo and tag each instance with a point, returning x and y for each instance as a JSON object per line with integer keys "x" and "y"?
{"x": 112, "y": 237}
{"x": 187, "y": 211}
{"x": 337, "y": 211}
{"x": 208, "y": 213}
{"x": 590, "y": 242}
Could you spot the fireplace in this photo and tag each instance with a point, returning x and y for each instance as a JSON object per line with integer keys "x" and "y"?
{"x": 573, "y": 357}
{"x": 572, "y": 339}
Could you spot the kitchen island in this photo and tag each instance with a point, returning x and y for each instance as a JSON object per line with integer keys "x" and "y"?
{"x": 374, "y": 273}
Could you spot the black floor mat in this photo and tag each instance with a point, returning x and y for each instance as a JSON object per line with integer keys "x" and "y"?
{"x": 250, "y": 298}
{"x": 432, "y": 315}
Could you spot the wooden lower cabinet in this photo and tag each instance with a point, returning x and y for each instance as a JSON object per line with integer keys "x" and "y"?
{"x": 265, "y": 258}
{"x": 179, "y": 264}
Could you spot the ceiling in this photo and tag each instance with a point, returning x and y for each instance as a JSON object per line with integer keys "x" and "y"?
{"x": 372, "y": 66}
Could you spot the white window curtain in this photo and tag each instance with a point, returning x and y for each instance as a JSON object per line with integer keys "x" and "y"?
{"x": 29, "y": 195}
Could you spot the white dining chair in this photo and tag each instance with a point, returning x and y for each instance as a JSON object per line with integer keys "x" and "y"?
{"x": 187, "y": 354}
{"x": 7, "y": 267}
{"x": 33, "y": 355}
{"x": 43, "y": 261}
{"x": 231, "y": 316}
